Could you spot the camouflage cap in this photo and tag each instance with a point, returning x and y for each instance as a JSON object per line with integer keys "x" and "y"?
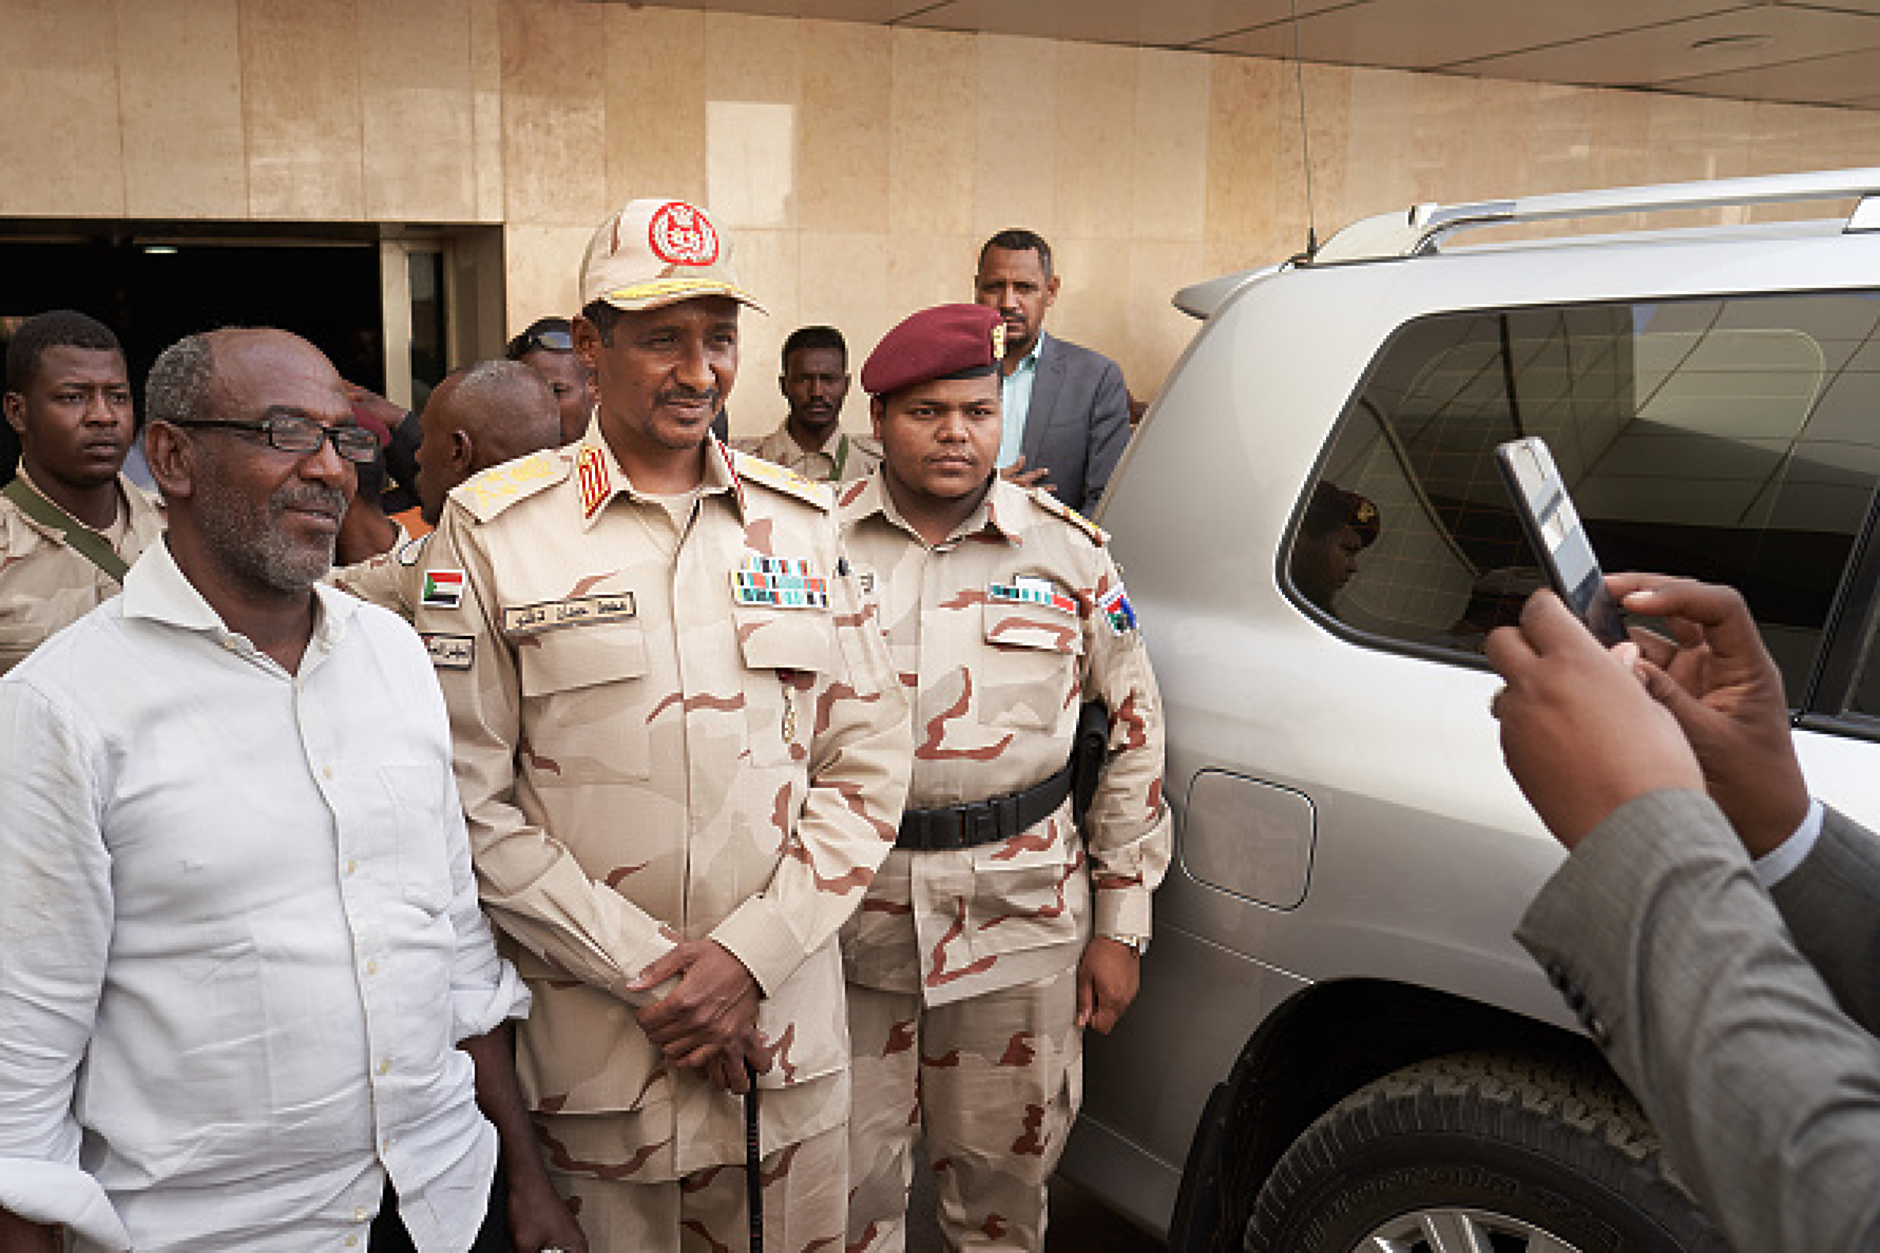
{"x": 946, "y": 341}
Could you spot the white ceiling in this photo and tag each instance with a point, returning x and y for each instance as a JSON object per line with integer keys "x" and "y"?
{"x": 1813, "y": 52}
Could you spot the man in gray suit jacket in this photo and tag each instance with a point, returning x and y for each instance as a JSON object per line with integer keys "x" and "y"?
{"x": 1065, "y": 408}
{"x": 1714, "y": 928}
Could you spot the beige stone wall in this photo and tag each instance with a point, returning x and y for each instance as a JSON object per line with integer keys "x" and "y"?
{"x": 858, "y": 167}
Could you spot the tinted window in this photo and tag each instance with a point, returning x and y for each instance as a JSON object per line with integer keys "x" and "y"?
{"x": 1735, "y": 440}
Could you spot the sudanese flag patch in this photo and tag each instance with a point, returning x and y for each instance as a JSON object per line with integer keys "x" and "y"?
{"x": 443, "y": 589}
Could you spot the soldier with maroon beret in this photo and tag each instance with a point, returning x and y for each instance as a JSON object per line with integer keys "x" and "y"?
{"x": 1000, "y": 926}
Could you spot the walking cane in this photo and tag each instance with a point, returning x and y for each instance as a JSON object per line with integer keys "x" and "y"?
{"x": 753, "y": 1168}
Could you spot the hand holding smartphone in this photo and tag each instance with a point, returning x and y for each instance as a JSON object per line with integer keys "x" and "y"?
{"x": 1553, "y": 528}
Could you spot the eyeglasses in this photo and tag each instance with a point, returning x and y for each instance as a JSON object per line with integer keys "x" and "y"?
{"x": 527, "y": 342}
{"x": 302, "y": 435}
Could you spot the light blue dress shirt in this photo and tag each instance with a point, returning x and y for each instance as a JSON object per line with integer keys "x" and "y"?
{"x": 1015, "y": 403}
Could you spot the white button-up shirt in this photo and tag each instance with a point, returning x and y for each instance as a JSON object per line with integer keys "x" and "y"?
{"x": 239, "y": 935}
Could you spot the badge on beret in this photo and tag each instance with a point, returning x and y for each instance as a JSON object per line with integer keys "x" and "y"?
{"x": 443, "y": 589}
{"x": 1116, "y": 608}
{"x": 680, "y": 235}
{"x": 998, "y": 341}
{"x": 1029, "y": 589}
{"x": 779, "y": 583}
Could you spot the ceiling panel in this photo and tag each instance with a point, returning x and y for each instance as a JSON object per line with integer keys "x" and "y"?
{"x": 1803, "y": 51}
{"x": 1848, "y": 77}
{"x": 1159, "y": 23}
{"x": 1692, "y": 48}
{"x": 1425, "y": 34}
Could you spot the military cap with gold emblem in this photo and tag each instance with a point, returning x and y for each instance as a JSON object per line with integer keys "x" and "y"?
{"x": 944, "y": 342}
{"x": 658, "y": 252}
{"x": 1332, "y": 507}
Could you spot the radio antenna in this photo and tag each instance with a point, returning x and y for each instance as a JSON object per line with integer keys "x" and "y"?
{"x": 1305, "y": 136}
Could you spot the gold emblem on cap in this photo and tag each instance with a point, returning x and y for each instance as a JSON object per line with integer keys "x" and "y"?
{"x": 998, "y": 341}
{"x": 789, "y": 722}
{"x": 1366, "y": 512}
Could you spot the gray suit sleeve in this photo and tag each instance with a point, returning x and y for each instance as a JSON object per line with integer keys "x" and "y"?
{"x": 1831, "y": 903}
{"x": 1109, "y": 432}
{"x": 1766, "y": 1093}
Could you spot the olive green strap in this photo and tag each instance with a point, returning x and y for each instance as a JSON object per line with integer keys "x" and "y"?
{"x": 842, "y": 455}
{"x": 80, "y": 538}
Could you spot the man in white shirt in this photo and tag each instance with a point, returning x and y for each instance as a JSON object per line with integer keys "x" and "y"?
{"x": 239, "y": 937}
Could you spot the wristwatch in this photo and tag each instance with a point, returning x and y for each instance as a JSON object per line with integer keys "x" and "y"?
{"x": 1137, "y": 944}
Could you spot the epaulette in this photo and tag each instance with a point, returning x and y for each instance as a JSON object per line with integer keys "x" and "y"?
{"x": 489, "y": 493}
{"x": 752, "y": 469}
{"x": 1051, "y": 504}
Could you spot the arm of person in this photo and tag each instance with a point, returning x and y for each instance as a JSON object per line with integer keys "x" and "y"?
{"x": 1127, "y": 832}
{"x": 538, "y": 1217}
{"x": 1109, "y": 433}
{"x": 1828, "y": 902}
{"x": 533, "y": 886}
{"x": 1766, "y": 1094}
{"x": 861, "y": 750}
{"x": 56, "y": 912}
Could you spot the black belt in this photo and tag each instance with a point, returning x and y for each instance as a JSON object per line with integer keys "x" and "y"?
{"x": 983, "y": 822}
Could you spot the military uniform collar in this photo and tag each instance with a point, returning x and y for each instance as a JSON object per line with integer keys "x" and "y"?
{"x": 599, "y": 478}
{"x": 995, "y": 518}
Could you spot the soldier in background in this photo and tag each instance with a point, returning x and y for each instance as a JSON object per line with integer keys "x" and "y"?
{"x": 70, "y": 523}
{"x": 682, "y": 754}
{"x": 811, "y": 441}
{"x": 547, "y": 347}
{"x": 996, "y": 931}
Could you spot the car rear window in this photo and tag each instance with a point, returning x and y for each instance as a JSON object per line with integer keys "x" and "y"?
{"x": 1733, "y": 439}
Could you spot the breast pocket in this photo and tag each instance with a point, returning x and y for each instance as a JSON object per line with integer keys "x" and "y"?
{"x": 785, "y": 652}
{"x": 1028, "y": 674}
{"x": 417, "y": 794}
{"x": 585, "y": 705}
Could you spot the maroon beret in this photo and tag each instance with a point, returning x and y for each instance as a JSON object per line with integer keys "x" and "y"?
{"x": 936, "y": 343}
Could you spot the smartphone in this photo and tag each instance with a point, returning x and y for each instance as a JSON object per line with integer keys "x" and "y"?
{"x": 1553, "y": 528}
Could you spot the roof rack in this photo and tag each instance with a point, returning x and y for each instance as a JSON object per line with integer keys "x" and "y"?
{"x": 1400, "y": 235}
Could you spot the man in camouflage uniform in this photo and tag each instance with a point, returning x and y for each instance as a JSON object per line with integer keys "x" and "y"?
{"x": 71, "y": 523}
{"x": 811, "y": 441}
{"x": 973, "y": 967}
{"x": 682, "y": 754}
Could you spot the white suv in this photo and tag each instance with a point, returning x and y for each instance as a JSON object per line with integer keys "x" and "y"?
{"x": 1338, "y": 1045}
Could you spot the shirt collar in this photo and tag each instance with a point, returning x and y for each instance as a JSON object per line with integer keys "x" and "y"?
{"x": 600, "y": 477}
{"x": 1030, "y": 360}
{"x": 157, "y": 589}
{"x": 993, "y": 519}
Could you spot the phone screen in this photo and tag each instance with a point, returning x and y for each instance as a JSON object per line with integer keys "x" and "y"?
{"x": 1553, "y": 526}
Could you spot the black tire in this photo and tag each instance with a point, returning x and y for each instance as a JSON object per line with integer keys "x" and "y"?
{"x": 1522, "y": 1154}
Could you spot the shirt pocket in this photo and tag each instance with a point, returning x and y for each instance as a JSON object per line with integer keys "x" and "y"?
{"x": 1028, "y": 893}
{"x": 417, "y": 792}
{"x": 585, "y": 705}
{"x": 1027, "y": 676}
{"x": 785, "y": 652}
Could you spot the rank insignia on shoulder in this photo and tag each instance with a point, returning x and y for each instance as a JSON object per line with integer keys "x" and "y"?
{"x": 596, "y": 483}
{"x": 1117, "y": 609}
{"x": 1028, "y": 589}
{"x": 449, "y": 652}
{"x": 443, "y": 589}
{"x": 779, "y": 583}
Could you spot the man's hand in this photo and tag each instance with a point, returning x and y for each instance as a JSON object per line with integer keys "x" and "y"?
{"x": 539, "y": 1218}
{"x": 1720, "y": 683}
{"x": 1017, "y": 473}
{"x": 710, "y": 1014}
{"x": 1108, "y": 975}
{"x": 19, "y": 1236}
{"x": 1580, "y": 734}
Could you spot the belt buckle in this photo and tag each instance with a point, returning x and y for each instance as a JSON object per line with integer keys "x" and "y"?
{"x": 979, "y": 824}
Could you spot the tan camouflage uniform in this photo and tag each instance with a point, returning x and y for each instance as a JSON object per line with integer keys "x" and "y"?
{"x": 641, "y": 759}
{"x": 962, "y": 964}
{"x": 393, "y": 579}
{"x": 45, "y": 586}
{"x": 843, "y": 459}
